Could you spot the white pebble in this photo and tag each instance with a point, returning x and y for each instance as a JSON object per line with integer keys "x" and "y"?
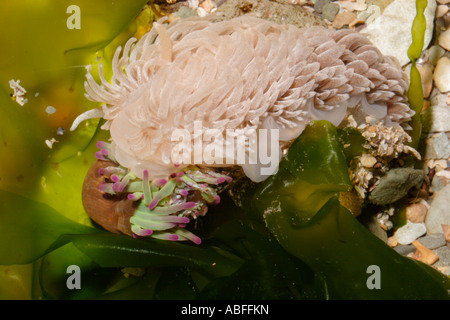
{"x": 410, "y": 232}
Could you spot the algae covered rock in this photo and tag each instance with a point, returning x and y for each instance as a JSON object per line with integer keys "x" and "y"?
{"x": 395, "y": 185}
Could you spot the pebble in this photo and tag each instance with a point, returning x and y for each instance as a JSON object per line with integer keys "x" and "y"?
{"x": 370, "y": 14}
{"x": 438, "y": 165}
{"x": 318, "y": 6}
{"x": 439, "y": 182}
{"x": 404, "y": 250}
{"x": 443, "y": 173}
{"x": 444, "y": 257}
{"x": 344, "y": 19}
{"x": 444, "y": 39}
{"x": 443, "y": 1}
{"x": 391, "y": 32}
{"x": 395, "y": 185}
{"x": 367, "y": 160}
{"x": 410, "y": 232}
{"x": 392, "y": 242}
{"x": 441, "y": 74}
{"x": 382, "y": 4}
{"x": 442, "y": 269}
{"x": 329, "y": 11}
{"x": 358, "y": 5}
{"x": 444, "y": 22}
{"x": 185, "y": 12}
{"x": 209, "y": 6}
{"x": 436, "y": 118}
{"x": 426, "y": 75}
{"x": 438, "y": 98}
{"x": 201, "y": 12}
{"x": 441, "y": 10}
{"x": 439, "y": 214}
{"x": 437, "y": 147}
{"x": 433, "y": 241}
{"x": 416, "y": 212}
{"x": 434, "y": 54}
{"x": 446, "y": 229}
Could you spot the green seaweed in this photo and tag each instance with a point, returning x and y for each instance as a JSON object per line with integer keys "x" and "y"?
{"x": 49, "y": 59}
{"x": 300, "y": 206}
{"x": 415, "y": 91}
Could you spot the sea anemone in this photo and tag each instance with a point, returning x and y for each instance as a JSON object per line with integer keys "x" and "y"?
{"x": 241, "y": 75}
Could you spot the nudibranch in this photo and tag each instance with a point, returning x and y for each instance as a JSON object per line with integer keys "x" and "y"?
{"x": 240, "y": 75}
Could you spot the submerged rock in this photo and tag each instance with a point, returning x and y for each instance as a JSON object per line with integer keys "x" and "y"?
{"x": 395, "y": 185}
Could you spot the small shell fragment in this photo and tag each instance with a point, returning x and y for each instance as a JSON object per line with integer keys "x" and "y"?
{"x": 19, "y": 92}
{"x": 50, "y": 142}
